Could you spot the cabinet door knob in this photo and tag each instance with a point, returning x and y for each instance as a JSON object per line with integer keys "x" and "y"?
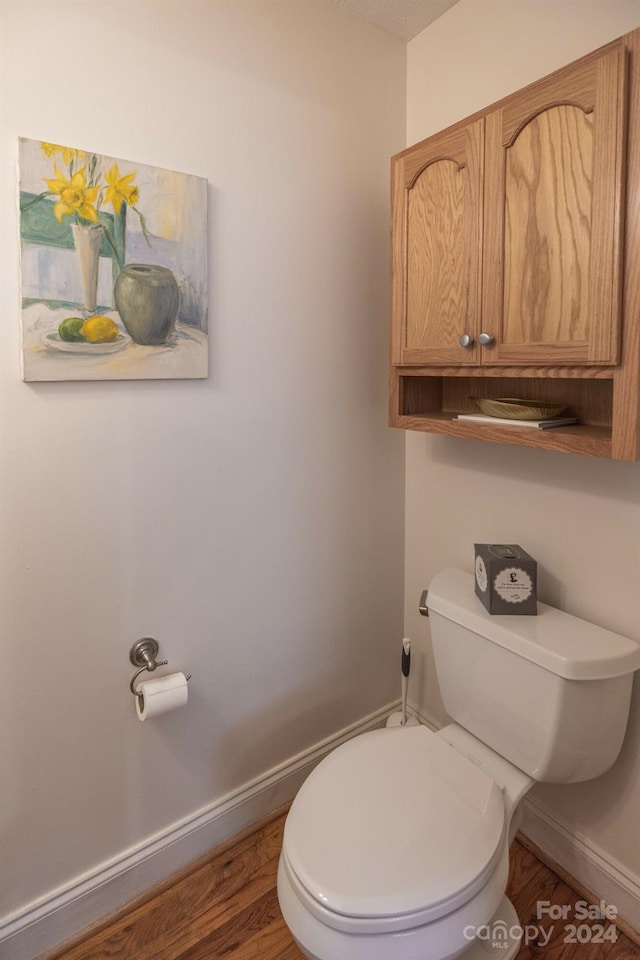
{"x": 486, "y": 339}
{"x": 465, "y": 340}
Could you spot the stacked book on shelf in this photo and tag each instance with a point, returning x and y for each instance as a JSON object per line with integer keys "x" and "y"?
{"x": 507, "y": 422}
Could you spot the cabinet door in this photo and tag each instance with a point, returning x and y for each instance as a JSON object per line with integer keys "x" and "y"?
{"x": 436, "y": 244}
{"x": 553, "y": 200}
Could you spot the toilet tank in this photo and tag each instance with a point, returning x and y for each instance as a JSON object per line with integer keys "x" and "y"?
{"x": 550, "y": 693}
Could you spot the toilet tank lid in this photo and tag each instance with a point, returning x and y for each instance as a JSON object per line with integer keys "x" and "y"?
{"x": 555, "y": 640}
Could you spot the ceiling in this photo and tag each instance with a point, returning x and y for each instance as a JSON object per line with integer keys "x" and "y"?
{"x": 404, "y": 18}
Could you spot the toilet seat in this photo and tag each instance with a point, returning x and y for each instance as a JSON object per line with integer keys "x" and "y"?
{"x": 394, "y": 829}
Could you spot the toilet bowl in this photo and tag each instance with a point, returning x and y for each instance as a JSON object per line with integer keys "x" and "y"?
{"x": 396, "y": 846}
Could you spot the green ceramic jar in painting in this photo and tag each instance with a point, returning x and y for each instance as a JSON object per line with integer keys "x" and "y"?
{"x": 147, "y": 299}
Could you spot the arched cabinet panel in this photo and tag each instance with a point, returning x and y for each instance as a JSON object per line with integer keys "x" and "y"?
{"x": 437, "y": 214}
{"x": 547, "y": 229}
{"x": 554, "y": 217}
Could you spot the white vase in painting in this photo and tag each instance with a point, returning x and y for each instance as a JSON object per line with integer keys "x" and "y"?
{"x": 87, "y": 239}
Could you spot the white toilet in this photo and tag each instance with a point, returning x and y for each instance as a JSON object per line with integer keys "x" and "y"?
{"x": 396, "y": 847}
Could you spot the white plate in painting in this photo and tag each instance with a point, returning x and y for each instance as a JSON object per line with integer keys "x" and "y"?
{"x": 53, "y": 341}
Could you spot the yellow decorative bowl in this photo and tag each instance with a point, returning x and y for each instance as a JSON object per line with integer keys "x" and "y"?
{"x": 512, "y": 409}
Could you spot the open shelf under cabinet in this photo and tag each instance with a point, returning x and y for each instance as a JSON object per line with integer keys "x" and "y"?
{"x": 429, "y": 401}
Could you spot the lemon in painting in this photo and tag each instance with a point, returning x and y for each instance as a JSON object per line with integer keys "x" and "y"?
{"x": 69, "y": 330}
{"x": 99, "y": 330}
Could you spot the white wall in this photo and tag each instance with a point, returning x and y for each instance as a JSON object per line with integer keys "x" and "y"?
{"x": 579, "y": 517}
{"x": 252, "y": 522}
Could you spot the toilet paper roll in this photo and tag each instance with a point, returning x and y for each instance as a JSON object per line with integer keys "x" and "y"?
{"x": 156, "y": 697}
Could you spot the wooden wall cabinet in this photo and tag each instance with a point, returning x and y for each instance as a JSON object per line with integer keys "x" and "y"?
{"x": 516, "y": 261}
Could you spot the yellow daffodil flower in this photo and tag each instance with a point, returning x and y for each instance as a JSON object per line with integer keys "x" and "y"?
{"x": 68, "y": 153}
{"x": 75, "y": 196}
{"x": 120, "y": 189}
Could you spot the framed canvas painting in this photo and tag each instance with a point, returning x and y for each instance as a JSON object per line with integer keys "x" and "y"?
{"x": 113, "y": 264}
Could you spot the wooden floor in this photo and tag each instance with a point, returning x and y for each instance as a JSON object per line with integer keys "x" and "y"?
{"x": 226, "y": 906}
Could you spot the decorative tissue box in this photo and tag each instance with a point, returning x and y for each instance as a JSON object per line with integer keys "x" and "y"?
{"x": 506, "y": 579}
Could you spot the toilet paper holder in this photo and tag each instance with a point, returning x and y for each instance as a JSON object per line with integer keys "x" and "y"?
{"x": 143, "y": 654}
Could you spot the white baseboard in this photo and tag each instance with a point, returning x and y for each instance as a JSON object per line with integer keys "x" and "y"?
{"x": 424, "y": 718}
{"x": 63, "y": 912}
{"x": 605, "y": 878}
